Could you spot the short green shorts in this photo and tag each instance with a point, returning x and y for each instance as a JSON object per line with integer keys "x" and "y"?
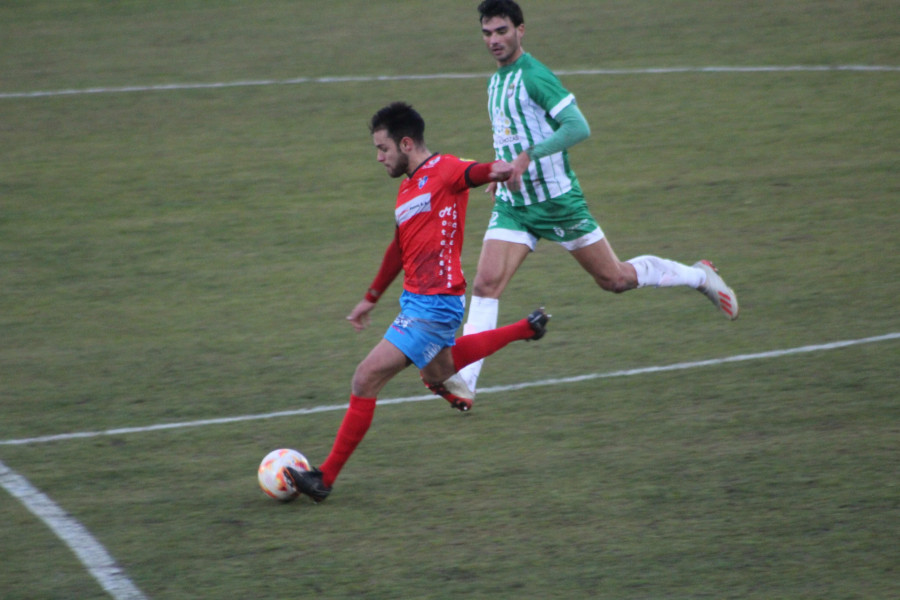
{"x": 565, "y": 220}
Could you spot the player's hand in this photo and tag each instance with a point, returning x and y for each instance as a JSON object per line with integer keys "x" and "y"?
{"x": 359, "y": 316}
{"x": 500, "y": 171}
{"x": 519, "y": 166}
{"x": 491, "y": 190}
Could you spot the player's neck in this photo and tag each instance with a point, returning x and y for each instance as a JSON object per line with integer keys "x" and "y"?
{"x": 512, "y": 59}
{"x": 417, "y": 158}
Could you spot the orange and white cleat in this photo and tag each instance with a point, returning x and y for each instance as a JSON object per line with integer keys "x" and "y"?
{"x": 455, "y": 391}
{"x": 717, "y": 291}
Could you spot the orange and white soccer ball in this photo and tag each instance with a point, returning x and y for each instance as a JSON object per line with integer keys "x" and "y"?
{"x": 271, "y": 475}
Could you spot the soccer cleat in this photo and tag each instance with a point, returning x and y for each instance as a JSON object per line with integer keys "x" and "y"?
{"x": 308, "y": 482}
{"x": 455, "y": 391}
{"x": 715, "y": 289}
{"x": 538, "y": 321}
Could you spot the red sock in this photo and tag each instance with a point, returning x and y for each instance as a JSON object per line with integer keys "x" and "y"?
{"x": 474, "y": 347}
{"x": 353, "y": 428}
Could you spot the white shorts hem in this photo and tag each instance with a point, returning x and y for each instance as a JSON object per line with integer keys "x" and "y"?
{"x": 510, "y": 235}
{"x": 585, "y": 240}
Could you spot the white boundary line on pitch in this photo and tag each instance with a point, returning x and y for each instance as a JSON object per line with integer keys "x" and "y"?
{"x": 375, "y": 78}
{"x": 93, "y": 556}
{"x": 113, "y": 579}
{"x": 488, "y": 390}
{"x": 89, "y": 551}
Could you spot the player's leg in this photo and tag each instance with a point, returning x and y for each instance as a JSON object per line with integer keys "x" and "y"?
{"x": 498, "y": 262}
{"x": 502, "y": 253}
{"x": 616, "y": 276}
{"x": 438, "y": 374}
{"x": 380, "y": 366}
{"x": 601, "y": 262}
{"x": 612, "y": 275}
{"x": 383, "y": 363}
{"x": 474, "y": 347}
{"x": 572, "y": 225}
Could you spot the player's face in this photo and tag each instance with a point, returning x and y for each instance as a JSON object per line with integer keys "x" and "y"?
{"x": 389, "y": 154}
{"x": 503, "y": 39}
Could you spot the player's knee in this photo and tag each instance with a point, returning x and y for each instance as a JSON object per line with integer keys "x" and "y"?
{"x": 617, "y": 284}
{"x": 610, "y": 285}
{"x": 364, "y": 381}
{"x": 487, "y": 287}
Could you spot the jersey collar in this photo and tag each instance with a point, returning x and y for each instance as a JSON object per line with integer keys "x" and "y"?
{"x": 411, "y": 175}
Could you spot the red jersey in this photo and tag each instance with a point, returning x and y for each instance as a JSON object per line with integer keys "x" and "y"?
{"x": 431, "y": 218}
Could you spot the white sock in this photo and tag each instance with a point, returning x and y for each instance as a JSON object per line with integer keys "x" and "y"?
{"x": 482, "y": 317}
{"x": 662, "y": 272}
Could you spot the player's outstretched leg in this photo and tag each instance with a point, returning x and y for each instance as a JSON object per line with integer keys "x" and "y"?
{"x": 317, "y": 483}
{"x": 717, "y": 291}
{"x": 476, "y": 346}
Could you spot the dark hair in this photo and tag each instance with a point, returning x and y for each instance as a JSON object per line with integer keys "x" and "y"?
{"x": 501, "y": 8}
{"x": 400, "y": 120}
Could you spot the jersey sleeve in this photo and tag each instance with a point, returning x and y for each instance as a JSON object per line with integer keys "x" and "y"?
{"x": 478, "y": 174}
{"x": 456, "y": 172}
{"x": 547, "y": 90}
{"x": 391, "y": 265}
{"x": 573, "y": 128}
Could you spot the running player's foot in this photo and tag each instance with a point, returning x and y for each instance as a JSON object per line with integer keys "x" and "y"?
{"x": 715, "y": 289}
{"x": 538, "y": 321}
{"x": 455, "y": 391}
{"x": 308, "y": 482}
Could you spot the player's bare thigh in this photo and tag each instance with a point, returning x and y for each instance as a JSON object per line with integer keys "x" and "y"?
{"x": 440, "y": 368}
{"x": 608, "y": 271}
{"x": 498, "y": 262}
{"x": 383, "y": 362}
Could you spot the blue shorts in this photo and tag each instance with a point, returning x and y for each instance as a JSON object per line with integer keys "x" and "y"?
{"x": 426, "y": 325}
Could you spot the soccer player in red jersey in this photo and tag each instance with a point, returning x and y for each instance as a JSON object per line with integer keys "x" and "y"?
{"x": 430, "y": 217}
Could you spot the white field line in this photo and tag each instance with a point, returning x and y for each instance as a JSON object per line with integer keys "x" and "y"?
{"x": 488, "y": 390}
{"x": 88, "y": 550}
{"x": 413, "y": 77}
{"x": 113, "y": 579}
{"x": 94, "y": 556}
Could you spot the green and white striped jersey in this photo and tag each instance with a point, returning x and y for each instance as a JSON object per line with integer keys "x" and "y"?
{"x": 523, "y": 99}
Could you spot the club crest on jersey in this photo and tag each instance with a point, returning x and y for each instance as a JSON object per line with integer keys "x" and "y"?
{"x": 511, "y": 90}
{"x": 423, "y": 181}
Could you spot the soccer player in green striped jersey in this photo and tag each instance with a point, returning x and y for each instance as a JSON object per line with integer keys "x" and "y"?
{"x": 535, "y": 119}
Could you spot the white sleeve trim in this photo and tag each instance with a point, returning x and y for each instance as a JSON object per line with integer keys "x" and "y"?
{"x": 561, "y": 105}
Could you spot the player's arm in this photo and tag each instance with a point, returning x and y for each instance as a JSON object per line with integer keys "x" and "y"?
{"x": 481, "y": 173}
{"x": 391, "y": 265}
{"x": 573, "y": 128}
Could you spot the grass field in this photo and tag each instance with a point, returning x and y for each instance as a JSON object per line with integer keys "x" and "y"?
{"x": 179, "y": 255}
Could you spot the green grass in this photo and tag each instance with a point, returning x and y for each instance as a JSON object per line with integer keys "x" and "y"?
{"x": 178, "y": 255}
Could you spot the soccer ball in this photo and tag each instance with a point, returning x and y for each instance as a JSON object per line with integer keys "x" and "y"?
{"x": 271, "y": 473}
